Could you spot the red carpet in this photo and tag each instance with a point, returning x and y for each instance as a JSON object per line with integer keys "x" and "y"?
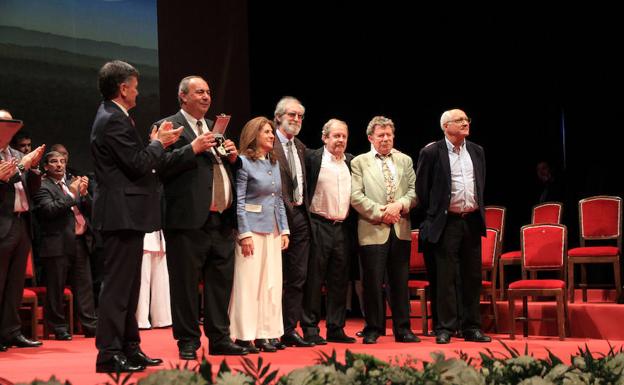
{"x": 75, "y": 360}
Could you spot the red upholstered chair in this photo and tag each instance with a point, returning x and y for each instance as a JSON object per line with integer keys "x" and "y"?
{"x": 490, "y": 252}
{"x": 418, "y": 288}
{"x": 600, "y": 219}
{"x": 41, "y": 292}
{"x": 548, "y": 212}
{"x": 495, "y": 219}
{"x": 544, "y": 247}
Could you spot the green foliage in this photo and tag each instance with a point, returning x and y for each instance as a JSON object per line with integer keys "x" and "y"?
{"x": 174, "y": 376}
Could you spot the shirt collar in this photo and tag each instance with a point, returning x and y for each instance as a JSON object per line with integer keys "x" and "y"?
{"x": 393, "y": 151}
{"x": 450, "y": 145}
{"x": 329, "y": 155}
{"x": 122, "y": 108}
{"x": 192, "y": 121}
{"x": 282, "y": 138}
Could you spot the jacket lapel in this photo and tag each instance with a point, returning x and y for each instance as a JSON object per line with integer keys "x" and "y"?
{"x": 444, "y": 161}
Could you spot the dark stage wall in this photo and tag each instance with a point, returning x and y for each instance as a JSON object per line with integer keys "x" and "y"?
{"x": 515, "y": 72}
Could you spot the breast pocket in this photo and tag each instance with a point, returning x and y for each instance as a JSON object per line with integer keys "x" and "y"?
{"x": 253, "y": 208}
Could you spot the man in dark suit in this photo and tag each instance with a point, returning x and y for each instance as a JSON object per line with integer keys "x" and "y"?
{"x": 329, "y": 187}
{"x": 66, "y": 241}
{"x": 126, "y": 205}
{"x": 16, "y": 188}
{"x": 450, "y": 181}
{"x": 200, "y": 223}
{"x": 290, "y": 153}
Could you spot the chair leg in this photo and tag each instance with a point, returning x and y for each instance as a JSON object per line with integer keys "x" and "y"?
{"x": 584, "y": 281}
{"x": 501, "y": 277}
{"x": 525, "y": 315}
{"x": 512, "y": 320}
{"x": 560, "y": 315}
{"x": 70, "y": 312}
{"x": 423, "y": 311}
{"x": 571, "y": 281}
{"x": 617, "y": 278}
{"x": 566, "y": 314}
{"x": 494, "y": 310}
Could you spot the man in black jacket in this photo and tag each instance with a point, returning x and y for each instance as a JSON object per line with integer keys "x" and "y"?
{"x": 329, "y": 187}
{"x": 450, "y": 180}
{"x": 66, "y": 240}
{"x": 126, "y": 205}
{"x": 200, "y": 223}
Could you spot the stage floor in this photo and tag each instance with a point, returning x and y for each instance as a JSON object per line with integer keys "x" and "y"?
{"x": 75, "y": 360}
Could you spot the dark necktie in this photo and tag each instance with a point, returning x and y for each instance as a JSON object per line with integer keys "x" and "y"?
{"x": 293, "y": 171}
{"x": 200, "y": 131}
{"x": 218, "y": 183}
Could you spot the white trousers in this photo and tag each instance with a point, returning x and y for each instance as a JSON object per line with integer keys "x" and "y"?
{"x": 256, "y": 304}
{"x": 154, "y": 300}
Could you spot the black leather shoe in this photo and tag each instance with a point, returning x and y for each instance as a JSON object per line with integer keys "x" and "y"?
{"x": 277, "y": 343}
{"x": 3, "y": 348}
{"x": 62, "y": 335}
{"x": 248, "y": 345}
{"x": 294, "y": 339}
{"x": 188, "y": 351}
{"x": 407, "y": 337}
{"x": 22, "y": 342}
{"x": 141, "y": 359}
{"x": 443, "y": 338}
{"x": 340, "y": 337}
{"x": 265, "y": 346}
{"x": 227, "y": 348}
{"x": 315, "y": 339}
{"x": 359, "y": 333}
{"x": 370, "y": 338}
{"x": 119, "y": 364}
{"x": 476, "y": 336}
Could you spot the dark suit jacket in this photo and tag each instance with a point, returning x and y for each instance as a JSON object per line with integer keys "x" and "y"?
{"x": 30, "y": 180}
{"x": 57, "y": 221}
{"x": 128, "y": 191}
{"x": 187, "y": 181}
{"x": 433, "y": 186}
{"x": 287, "y": 177}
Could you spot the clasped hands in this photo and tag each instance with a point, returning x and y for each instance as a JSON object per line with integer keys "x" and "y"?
{"x": 391, "y": 213}
{"x": 79, "y": 185}
{"x": 8, "y": 169}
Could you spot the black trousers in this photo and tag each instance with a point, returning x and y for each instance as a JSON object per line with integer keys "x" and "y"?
{"x": 75, "y": 269}
{"x": 458, "y": 250}
{"x": 206, "y": 253}
{"x": 14, "y": 248}
{"x": 391, "y": 257}
{"x": 295, "y": 268}
{"x": 330, "y": 258}
{"x": 117, "y": 329}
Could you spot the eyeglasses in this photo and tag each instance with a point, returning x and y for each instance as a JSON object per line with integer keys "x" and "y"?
{"x": 293, "y": 115}
{"x": 460, "y": 120}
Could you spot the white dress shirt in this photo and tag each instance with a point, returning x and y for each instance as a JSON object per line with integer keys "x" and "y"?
{"x": 462, "y": 179}
{"x": 332, "y": 196}
{"x": 284, "y": 141}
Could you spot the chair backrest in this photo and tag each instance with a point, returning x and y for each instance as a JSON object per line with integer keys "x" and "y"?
{"x": 600, "y": 217}
{"x": 490, "y": 248}
{"x": 417, "y": 259}
{"x": 495, "y": 219}
{"x": 544, "y": 247}
{"x": 548, "y": 212}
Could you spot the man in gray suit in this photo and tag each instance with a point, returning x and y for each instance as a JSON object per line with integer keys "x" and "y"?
{"x": 383, "y": 192}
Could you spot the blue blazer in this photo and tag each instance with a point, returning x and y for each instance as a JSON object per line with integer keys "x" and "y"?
{"x": 259, "y": 204}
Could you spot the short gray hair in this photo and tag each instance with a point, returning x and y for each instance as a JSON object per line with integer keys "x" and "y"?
{"x": 183, "y": 87}
{"x": 328, "y": 126}
{"x": 280, "y": 108}
{"x": 379, "y": 121}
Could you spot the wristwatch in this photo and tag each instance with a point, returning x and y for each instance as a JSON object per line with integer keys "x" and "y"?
{"x": 21, "y": 168}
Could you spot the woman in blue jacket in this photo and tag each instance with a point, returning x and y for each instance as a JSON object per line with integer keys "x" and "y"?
{"x": 256, "y": 304}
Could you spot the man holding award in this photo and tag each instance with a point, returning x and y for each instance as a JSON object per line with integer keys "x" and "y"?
{"x": 200, "y": 223}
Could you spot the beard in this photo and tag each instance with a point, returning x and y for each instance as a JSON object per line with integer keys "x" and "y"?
{"x": 291, "y": 129}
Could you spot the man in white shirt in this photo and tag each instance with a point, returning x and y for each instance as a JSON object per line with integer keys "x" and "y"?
{"x": 329, "y": 187}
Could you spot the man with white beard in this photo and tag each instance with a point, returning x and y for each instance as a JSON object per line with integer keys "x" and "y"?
{"x": 290, "y": 155}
